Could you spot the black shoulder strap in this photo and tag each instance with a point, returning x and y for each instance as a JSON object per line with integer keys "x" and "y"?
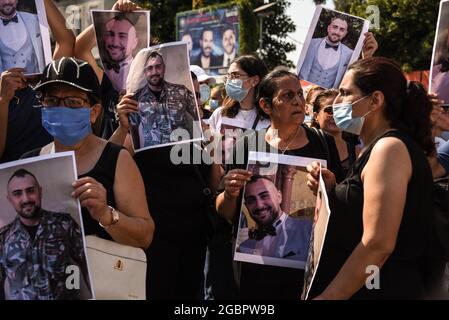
{"x": 324, "y": 145}
{"x": 209, "y": 197}
{"x": 256, "y": 122}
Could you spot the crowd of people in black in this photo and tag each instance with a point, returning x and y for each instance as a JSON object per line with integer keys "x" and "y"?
{"x": 379, "y": 141}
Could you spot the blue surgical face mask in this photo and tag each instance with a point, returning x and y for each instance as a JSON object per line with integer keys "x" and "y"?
{"x": 235, "y": 91}
{"x": 343, "y": 117}
{"x": 67, "y": 125}
{"x": 204, "y": 93}
{"x": 213, "y": 104}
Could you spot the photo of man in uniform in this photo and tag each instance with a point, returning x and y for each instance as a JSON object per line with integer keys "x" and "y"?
{"x": 38, "y": 246}
{"x": 163, "y": 107}
{"x": 20, "y": 39}
{"x": 277, "y": 234}
{"x": 328, "y": 58}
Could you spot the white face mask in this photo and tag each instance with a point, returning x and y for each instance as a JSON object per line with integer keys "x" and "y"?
{"x": 204, "y": 93}
{"x": 343, "y": 117}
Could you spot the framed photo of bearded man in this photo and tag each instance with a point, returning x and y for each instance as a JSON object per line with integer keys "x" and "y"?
{"x": 120, "y": 36}
{"x": 334, "y": 41}
{"x": 24, "y": 36}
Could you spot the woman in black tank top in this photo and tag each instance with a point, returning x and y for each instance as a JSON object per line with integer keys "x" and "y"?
{"x": 381, "y": 214}
{"x": 110, "y": 187}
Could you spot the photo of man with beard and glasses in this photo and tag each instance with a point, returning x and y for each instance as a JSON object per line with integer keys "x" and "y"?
{"x": 119, "y": 37}
{"x": 21, "y": 41}
{"x": 327, "y": 56}
{"x": 39, "y": 247}
{"x": 164, "y": 106}
{"x": 277, "y": 234}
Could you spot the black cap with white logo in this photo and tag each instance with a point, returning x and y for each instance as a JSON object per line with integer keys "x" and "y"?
{"x": 73, "y": 72}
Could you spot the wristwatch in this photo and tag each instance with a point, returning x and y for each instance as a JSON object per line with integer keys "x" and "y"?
{"x": 115, "y": 217}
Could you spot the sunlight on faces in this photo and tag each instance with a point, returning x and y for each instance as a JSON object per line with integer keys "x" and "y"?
{"x": 337, "y": 30}
{"x": 325, "y": 119}
{"x": 239, "y": 73}
{"x": 25, "y": 195}
{"x": 263, "y": 201}
{"x": 120, "y": 39}
{"x": 350, "y": 93}
{"x": 314, "y": 94}
{"x": 63, "y": 91}
{"x": 155, "y": 71}
{"x": 288, "y": 104}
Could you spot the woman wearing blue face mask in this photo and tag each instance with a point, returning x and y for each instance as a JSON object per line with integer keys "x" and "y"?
{"x": 242, "y": 81}
{"x": 382, "y": 212}
{"x": 70, "y": 105}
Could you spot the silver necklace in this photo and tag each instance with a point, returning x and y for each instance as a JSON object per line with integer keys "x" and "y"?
{"x": 290, "y": 142}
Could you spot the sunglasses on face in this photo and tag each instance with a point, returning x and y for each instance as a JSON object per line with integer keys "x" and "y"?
{"x": 328, "y": 110}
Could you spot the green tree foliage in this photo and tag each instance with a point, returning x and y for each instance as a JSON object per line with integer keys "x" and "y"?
{"x": 163, "y": 16}
{"x": 276, "y": 26}
{"x": 275, "y": 29}
{"x": 407, "y": 28}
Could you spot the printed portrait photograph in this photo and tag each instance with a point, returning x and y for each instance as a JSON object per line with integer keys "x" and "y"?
{"x": 333, "y": 42}
{"x": 42, "y": 247}
{"x": 24, "y": 36}
{"x": 120, "y": 36}
{"x": 277, "y": 211}
{"x": 212, "y": 37}
{"x": 439, "y": 73}
{"x": 162, "y": 84}
{"x": 319, "y": 228}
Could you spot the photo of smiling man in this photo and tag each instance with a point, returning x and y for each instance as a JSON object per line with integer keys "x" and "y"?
{"x": 331, "y": 46}
{"x": 119, "y": 37}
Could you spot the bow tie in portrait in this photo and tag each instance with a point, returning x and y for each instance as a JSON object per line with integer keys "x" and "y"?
{"x": 327, "y": 46}
{"x": 6, "y": 21}
{"x": 260, "y": 233}
{"x": 114, "y": 66}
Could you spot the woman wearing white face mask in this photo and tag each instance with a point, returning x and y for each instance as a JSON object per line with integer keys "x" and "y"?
{"x": 242, "y": 81}
{"x": 382, "y": 212}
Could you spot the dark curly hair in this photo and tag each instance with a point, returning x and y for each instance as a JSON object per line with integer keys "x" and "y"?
{"x": 407, "y": 105}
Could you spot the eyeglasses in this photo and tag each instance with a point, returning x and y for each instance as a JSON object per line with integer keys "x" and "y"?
{"x": 232, "y": 76}
{"x": 328, "y": 110}
{"x": 70, "y": 102}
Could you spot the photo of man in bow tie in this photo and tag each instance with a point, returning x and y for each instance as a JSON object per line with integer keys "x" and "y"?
{"x": 277, "y": 234}
{"x": 120, "y": 40}
{"x": 328, "y": 58}
{"x": 20, "y": 39}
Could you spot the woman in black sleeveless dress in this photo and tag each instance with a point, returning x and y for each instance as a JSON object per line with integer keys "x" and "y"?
{"x": 381, "y": 214}
{"x": 110, "y": 187}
